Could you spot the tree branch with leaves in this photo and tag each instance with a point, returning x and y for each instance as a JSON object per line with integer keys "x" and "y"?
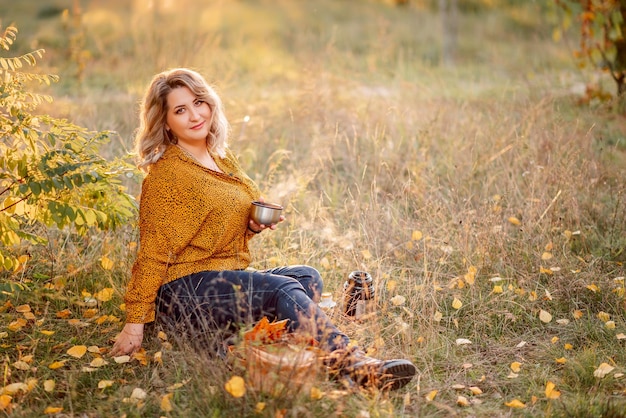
{"x": 51, "y": 171}
{"x": 601, "y": 28}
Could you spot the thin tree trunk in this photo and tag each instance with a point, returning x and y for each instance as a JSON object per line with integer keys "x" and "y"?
{"x": 448, "y": 11}
{"x": 620, "y": 55}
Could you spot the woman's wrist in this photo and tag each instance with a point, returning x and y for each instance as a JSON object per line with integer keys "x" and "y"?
{"x": 135, "y": 330}
{"x": 253, "y": 231}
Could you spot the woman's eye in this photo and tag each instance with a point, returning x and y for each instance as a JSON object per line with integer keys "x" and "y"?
{"x": 199, "y": 102}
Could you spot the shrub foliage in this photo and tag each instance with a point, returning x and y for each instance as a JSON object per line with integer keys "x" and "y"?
{"x": 51, "y": 173}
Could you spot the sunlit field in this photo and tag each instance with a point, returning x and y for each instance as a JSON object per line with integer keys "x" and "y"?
{"x": 486, "y": 198}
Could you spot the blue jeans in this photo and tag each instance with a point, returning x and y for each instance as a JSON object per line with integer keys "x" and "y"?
{"x": 212, "y": 304}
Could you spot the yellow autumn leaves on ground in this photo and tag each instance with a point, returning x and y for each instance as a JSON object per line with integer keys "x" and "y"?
{"x": 236, "y": 386}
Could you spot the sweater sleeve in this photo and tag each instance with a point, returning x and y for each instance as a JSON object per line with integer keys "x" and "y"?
{"x": 162, "y": 237}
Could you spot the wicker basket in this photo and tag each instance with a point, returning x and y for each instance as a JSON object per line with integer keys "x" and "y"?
{"x": 280, "y": 368}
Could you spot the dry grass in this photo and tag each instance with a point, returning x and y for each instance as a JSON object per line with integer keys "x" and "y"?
{"x": 387, "y": 163}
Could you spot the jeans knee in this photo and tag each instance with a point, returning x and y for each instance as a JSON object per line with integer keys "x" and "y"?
{"x": 312, "y": 282}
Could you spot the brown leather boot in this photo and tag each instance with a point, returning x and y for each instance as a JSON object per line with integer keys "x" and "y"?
{"x": 353, "y": 367}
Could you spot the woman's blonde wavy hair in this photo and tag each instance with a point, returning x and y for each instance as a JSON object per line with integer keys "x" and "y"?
{"x": 152, "y": 138}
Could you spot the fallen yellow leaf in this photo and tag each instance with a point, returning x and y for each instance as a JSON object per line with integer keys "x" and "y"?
{"x": 416, "y": 235}
{"x": 545, "y": 316}
{"x": 106, "y": 263}
{"x": 260, "y": 406}
{"x": 13, "y": 388}
{"x": 603, "y": 370}
{"x": 315, "y": 393}
{"x": 603, "y": 316}
{"x": 17, "y": 325}
{"x": 57, "y": 365}
{"x": 593, "y": 287}
{"x": 561, "y": 360}
{"x": 462, "y": 401}
{"x": 104, "y": 295}
{"x": 90, "y": 313}
{"x": 166, "y": 402}
{"x": 236, "y": 386}
{"x": 544, "y": 270}
{"x": 21, "y": 365}
{"x": 397, "y": 300}
{"x": 22, "y": 308}
{"x": 141, "y": 356}
{"x": 98, "y": 362}
{"x": 515, "y": 403}
{"x": 5, "y": 402}
{"x": 577, "y": 314}
{"x": 77, "y": 351}
{"x": 51, "y": 410}
{"x": 551, "y": 392}
{"x": 31, "y": 384}
{"x": 546, "y": 256}
{"x": 516, "y": 366}
{"x": 470, "y": 276}
{"x": 554, "y": 340}
{"x": 103, "y": 384}
{"x": 46, "y": 332}
{"x": 77, "y": 323}
{"x": 513, "y": 220}
{"x": 431, "y": 395}
{"x": 475, "y": 390}
{"x": 457, "y": 304}
{"x": 610, "y": 324}
{"x": 65, "y": 313}
{"x": 497, "y": 289}
{"x": 138, "y": 394}
{"x": 49, "y": 385}
{"x": 176, "y": 386}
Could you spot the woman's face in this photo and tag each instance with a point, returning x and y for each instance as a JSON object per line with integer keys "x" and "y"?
{"x": 188, "y": 117}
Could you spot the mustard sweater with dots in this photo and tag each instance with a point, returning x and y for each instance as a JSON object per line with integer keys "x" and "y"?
{"x": 191, "y": 219}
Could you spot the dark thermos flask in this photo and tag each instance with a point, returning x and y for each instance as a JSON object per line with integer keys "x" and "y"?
{"x": 358, "y": 289}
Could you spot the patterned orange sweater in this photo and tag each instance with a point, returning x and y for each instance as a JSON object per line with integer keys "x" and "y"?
{"x": 191, "y": 219}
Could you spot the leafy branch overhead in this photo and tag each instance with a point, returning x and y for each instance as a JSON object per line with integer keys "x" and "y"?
{"x": 51, "y": 173}
{"x": 602, "y": 41}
